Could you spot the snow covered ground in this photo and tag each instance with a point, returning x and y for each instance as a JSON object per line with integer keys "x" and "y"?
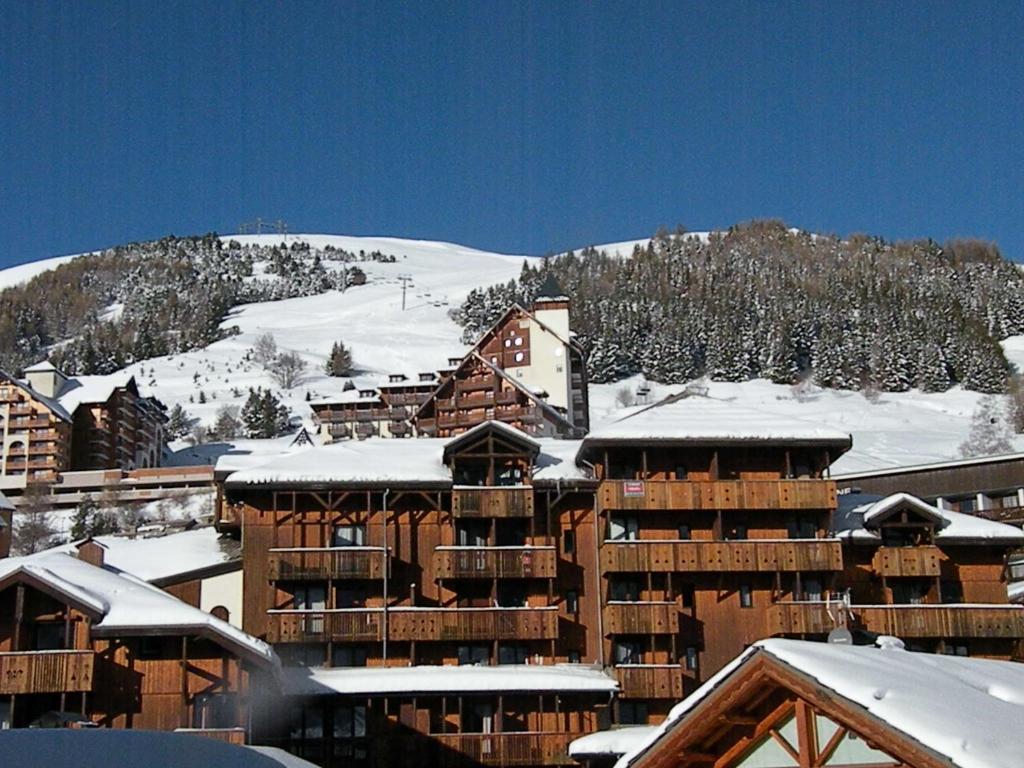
{"x": 22, "y": 273}
{"x": 891, "y": 430}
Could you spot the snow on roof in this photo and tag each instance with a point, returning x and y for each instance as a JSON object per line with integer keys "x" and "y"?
{"x": 617, "y": 741}
{"x": 244, "y": 453}
{"x": 55, "y": 407}
{"x": 701, "y": 419}
{"x": 159, "y": 558}
{"x": 857, "y": 521}
{"x": 966, "y": 709}
{"x": 516, "y": 435}
{"x": 127, "y": 605}
{"x": 995, "y": 459}
{"x": 91, "y": 389}
{"x": 43, "y": 366}
{"x": 375, "y": 460}
{"x": 287, "y": 759}
{"x": 347, "y": 397}
{"x": 520, "y": 678}
{"x": 382, "y": 460}
{"x": 557, "y": 462}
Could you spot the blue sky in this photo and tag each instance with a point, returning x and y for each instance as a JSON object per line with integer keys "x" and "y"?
{"x": 523, "y": 128}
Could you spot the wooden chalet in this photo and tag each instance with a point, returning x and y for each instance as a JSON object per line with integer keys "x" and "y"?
{"x": 935, "y": 578}
{"x": 793, "y": 704}
{"x": 655, "y": 549}
{"x": 79, "y": 642}
{"x": 526, "y": 370}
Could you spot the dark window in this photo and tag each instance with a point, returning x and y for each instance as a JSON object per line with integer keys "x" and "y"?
{"x": 474, "y": 654}
{"x": 802, "y": 528}
{"x": 908, "y": 591}
{"x": 952, "y": 649}
{"x": 746, "y": 596}
{"x": 513, "y": 653}
{"x": 478, "y": 717}
{"x": 511, "y": 533}
{"x": 680, "y": 472}
{"x": 691, "y": 657}
{"x": 624, "y": 589}
{"x": 627, "y": 651}
{"x": 686, "y": 595}
{"x": 151, "y": 647}
{"x": 685, "y": 533}
{"x": 622, "y": 528}
{"x": 215, "y": 710}
{"x": 348, "y": 656}
{"x": 736, "y": 532}
{"x": 632, "y": 713}
{"x": 511, "y": 595}
{"x": 472, "y": 533}
{"x": 574, "y": 657}
{"x": 49, "y": 636}
{"x": 568, "y": 542}
{"x": 348, "y": 536}
{"x": 572, "y": 601}
{"x": 967, "y": 505}
{"x": 622, "y": 469}
{"x": 952, "y": 592}
{"x": 812, "y": 589}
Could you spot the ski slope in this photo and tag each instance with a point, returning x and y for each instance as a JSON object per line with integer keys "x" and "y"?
{"x": 890, "y": 430}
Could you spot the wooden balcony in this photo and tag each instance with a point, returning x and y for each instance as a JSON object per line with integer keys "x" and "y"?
{"x": 953, "y": 621}
{"x": 299, "y": 626}
{"x": 803, "y": 618}
{"x": 1004, "y": 621}
{"x": 46, "y": 671}
{"x": 473, "y": 624}
{"x": 492, "y": 501}
{"x": 622, "y": 618}
{"x": 328, "y": 563}
{"x": 718, "y": 494}
{"x": 907, "y": 561}
{"x": 505, "y": 748}
{"x": 748, "y": 555}
{"x": 495, "y": 563}
{"x": 650, "y": 681}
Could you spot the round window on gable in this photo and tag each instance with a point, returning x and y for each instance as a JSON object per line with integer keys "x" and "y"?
{"x": 519, "y": 341}
{"x": 519, "y": 357}
{"x": 508, "y": 342}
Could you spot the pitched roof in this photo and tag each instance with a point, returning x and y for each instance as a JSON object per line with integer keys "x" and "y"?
{"x": 859, "y": 515}
{"x": 698, "y": 419}
{"x": 966, "y": 711}
{"x": 43, "y": 366}
{"x": 126, "y": 605}
{"x": 504, "y": 430}
{"x": 93, "y": 389}
{"x": 53, "y": 405}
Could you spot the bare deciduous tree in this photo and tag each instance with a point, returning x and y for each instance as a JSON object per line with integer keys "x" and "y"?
{"x": 287, "y": 370}
{"x": 264, "y": 351}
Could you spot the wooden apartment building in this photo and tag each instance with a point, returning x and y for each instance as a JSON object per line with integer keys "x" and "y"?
{"x": 54, "y": 424}
{"x": 526, "y": 370}
{"x": 630, "y": 565}
{"x": 86, "y": 645}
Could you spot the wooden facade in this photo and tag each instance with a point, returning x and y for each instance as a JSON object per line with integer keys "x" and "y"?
{"x": 659, "y": 567}
{"x": 56, "y": 656}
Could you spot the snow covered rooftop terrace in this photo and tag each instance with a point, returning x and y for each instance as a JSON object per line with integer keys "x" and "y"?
{"x": 518, "y": 678}
{"x": 700, "y": 419}
{"x": 618, "y": 741}
{"x": 127, "y": 605}
{"x": 159, "y": 558}
{"x": 968, "y": 710}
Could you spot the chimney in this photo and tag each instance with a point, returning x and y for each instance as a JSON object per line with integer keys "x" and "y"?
{"x": 91, "y": 551}
{"x": 46, "y": 379}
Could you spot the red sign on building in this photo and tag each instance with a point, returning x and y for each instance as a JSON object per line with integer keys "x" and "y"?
{"x": 633, "y": 488}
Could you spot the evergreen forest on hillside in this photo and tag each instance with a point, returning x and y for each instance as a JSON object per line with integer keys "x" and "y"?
{"x": 101, "y": 312}
{"x": 764, "y": 301}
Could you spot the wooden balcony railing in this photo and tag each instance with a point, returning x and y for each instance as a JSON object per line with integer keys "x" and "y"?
{"x": 907, "y": 561}
{"x": 953, "y": 621}
{"x": 645, "y": 681}
{"x": 767, "y": 555}
{"x": 718, "y": 494}
{"x": 328, "y": 563}
{"x": 296, "y": 626}
{"x": 506, "y": 748}
{"x": 1006, "y": 621}
{"x": 492, "y": 501}
{"x": 495, "y": 563}
{"x": 641, "y": 618}
{"x": 803, "y": 618}
{"x": 46, "y": 671}
{"x": 473, "y": 623}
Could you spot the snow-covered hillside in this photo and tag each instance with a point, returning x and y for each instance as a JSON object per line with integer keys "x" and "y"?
{"x": 892, "y": 429}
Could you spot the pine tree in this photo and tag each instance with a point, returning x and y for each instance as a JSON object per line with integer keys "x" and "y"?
{"x": 340, "y": 361}
{"x": 990, "y": 430}
{"x": 263, "y": 415}
{"x": 90, "y": 520}
{"x": 178, "y": 422}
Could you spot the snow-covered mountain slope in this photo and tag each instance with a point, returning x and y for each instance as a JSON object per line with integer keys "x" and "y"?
{"x": 890, "y": 430}
{"x": 22, "y": 273}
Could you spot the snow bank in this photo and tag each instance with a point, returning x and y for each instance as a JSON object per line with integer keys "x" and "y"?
{"x": 614, "y": 742}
